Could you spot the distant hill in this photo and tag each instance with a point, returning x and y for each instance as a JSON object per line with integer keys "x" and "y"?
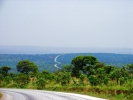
{"x": 47, "y": 61}
{"x": 47, "y": 50}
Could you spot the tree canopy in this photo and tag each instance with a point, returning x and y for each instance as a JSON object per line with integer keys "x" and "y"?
{"x": 4, "y": 70}
{"x": 82, "y": 64}
{"x": 26, "y": 66}
{"x": 84, "y": 73}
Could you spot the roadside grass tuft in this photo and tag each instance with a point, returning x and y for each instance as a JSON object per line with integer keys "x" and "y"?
{"x": 1, "y": 95}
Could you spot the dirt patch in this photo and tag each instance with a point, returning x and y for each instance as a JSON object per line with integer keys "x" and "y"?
{"x": 6, "y": 97}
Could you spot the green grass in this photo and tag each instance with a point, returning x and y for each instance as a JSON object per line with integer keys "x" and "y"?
{"x": 98, "y": 91}
{"x": 109, "y": 92}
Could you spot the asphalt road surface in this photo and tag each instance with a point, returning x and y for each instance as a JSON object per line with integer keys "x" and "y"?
{"x": 21, "y": 94}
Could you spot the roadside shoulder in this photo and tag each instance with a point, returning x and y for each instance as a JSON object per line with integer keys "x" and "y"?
{"x": 6, "y": 97}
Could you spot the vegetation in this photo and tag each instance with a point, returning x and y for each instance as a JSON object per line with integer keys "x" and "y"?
{"x": 1, "y": 95}
{"x": 26, "y": 66}
{"x": 46, "y": 61}
{"x": 85, "y": 74}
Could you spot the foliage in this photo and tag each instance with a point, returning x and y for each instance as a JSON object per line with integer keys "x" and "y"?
{"x": 67, "y": 68}
{"x": 93, "y": 80}
{"x": 21, "y": 80}
{"x": 7, "y": 79}
{"x": 82, "y": 78}
{"x": 63, "y": 78}
{"x": 83, "y": 64}
{"x": 41, "y": 83}
{"x": 85, "y": 74}
{"x": 4, "y": 70}
{"x": 46, "y": 61}
{"x": 26, "y": 66}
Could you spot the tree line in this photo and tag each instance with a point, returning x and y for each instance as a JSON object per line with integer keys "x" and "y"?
{"x": 46, "y": 61}
{"x": 83, "y": 71}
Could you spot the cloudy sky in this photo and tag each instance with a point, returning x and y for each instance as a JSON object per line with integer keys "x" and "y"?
{"x": 67, "y": 23}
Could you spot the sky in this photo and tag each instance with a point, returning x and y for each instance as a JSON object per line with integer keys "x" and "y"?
{"x": 67, "y": 23}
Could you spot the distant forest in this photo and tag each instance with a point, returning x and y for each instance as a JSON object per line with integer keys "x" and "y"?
{"x": 46, "y": 61}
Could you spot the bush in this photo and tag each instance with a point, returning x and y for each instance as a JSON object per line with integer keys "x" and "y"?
{"x": 93, "y": 80}
{"x": 41, "y": 83}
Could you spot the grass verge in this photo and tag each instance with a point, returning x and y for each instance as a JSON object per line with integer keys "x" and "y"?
{"x": 91, "y": 91}
{"x": 1, "y": 95}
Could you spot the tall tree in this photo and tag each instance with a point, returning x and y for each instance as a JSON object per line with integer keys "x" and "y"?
{"x": 4, "y": 70}
{"x": 26, "y": 66}
{"x": 130, "y": 67}
{"x": 83, "y": 64}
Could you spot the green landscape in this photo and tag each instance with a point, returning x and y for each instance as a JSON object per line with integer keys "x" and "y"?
{"x": 46, "y": 61}
{"x": 102, "y": 75}
{"x": 66, "y": 49}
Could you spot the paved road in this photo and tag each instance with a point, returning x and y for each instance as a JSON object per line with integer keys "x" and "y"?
{"x": 55, "y": 60}
{"x": 20, "y": 94}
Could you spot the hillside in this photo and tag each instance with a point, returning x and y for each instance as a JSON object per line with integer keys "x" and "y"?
{"x": 46, "y": 61}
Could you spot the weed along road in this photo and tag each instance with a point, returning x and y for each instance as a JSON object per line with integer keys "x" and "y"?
{"x": 21, "y": 94}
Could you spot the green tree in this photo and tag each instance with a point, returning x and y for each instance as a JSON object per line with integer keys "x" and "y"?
{"x": 26, "y": 66}
{"x": 4, "y": 70}
{"x": 109, "y": 69}
{"x": 82, "y": 78}
{"x": 83, "y": 64}
{"x": 1, "y": 78}
{"x": 63, "y": 78}
{"x": 41, "y": 83}
{"x": 122, "y": 80}
{"x": 93, "y": 80}
{"x": 130, "y": 67}
{"x": 125, "y": 72}
{"x": 46, "y": 75}
{"x": 21, "y": 80}
{"x": 7, "y": 79}
{"x": 67, "y": 68}
{"x": 116, "y": 74}
{"x": 106, "y": 80}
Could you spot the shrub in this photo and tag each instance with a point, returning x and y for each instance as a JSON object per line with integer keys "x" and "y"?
{"x": 41, "y": 83}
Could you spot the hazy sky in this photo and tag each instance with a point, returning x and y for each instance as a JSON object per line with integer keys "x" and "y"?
{"x": 67, "y": 23}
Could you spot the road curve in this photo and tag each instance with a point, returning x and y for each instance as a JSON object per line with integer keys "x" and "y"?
{"x": 21, "y": 94}
{"x": 55, "y": 60}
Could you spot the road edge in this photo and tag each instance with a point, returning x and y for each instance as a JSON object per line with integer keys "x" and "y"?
{"x": 6, "y": 97}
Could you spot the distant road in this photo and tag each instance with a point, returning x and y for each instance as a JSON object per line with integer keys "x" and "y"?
{"x": 55, "y": 60}
{"x": 21, "y": 94}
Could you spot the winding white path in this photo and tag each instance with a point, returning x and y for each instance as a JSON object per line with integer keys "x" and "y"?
{"x": 55, "y": 60}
